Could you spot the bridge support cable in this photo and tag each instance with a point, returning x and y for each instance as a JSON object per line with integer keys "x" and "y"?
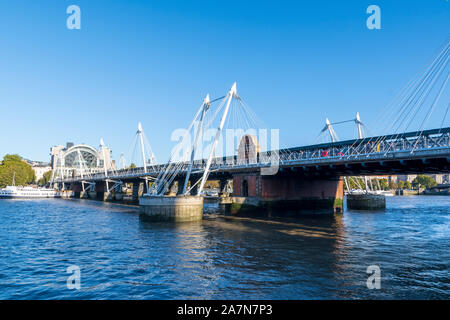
{"x": 413, "y": 100}
{"x": 205, "y": 106}
{"x": 175, "y": 165}
{"x": 410, "y": 105}
{"x": 232, "y": 93}
{"x": 426, "y": 94}
{"x": 444, "y": 117}
{"x": 412, "y": 92}
{"x": 232, "y": 114}
{"x": 122, "y": 163}
{"x": 416, "y": 98}
{"x": 139, "y": 151}
{"x": 430, "y": 111}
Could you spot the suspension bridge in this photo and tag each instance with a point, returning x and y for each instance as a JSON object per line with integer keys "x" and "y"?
{"x": 302, "y": 178}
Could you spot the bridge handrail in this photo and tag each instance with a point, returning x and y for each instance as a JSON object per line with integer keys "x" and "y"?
{"x": 428, "y": 140}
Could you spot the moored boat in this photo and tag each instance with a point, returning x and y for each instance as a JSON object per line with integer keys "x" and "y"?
{"x": 11, "y": 192}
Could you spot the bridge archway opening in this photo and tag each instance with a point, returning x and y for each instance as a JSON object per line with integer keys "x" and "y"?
{"x": 245, "y": 188}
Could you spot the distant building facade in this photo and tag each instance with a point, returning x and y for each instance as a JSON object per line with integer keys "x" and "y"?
{"x": 439, "y": 178}
{"x": 40, "y": 169}
{"x": 72, "y": 159}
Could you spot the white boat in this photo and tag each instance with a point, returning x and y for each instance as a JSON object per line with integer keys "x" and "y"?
{"x": 357, "y": 191}
{"x": 377, "y": 192}
{"x": 13, "y": 192}
{"x": 383, "y": 192}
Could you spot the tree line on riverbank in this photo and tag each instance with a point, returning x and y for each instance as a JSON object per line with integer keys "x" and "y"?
{"x": 13, "y": 167}
{"x": 420, "y": 182}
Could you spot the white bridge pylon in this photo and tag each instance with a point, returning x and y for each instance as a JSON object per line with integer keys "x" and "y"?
{"x": 332, "y": 133}
{"x": 173, "y": 168}
{"x": 146, "y": 154}
{"x": 202, "y": 111}
{"x": 230, "y": 95}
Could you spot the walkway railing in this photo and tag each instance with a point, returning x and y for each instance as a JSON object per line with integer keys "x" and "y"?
{"x": 412, "y": 145}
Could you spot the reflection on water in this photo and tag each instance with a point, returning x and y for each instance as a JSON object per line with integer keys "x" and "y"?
{"x": 121, "y": 256}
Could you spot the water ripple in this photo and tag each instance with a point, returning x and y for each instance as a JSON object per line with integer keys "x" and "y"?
{"x": 123, "y": 257}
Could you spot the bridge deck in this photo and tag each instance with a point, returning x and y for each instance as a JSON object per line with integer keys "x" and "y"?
{"x": 419, "y": 151}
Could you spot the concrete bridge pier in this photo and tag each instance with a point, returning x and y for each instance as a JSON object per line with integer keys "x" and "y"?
{"x": 224, "y": 195}
{"x": 287, "y": 194}
{"x": 223, "y": 191}
{"x": 99, "y": 193}
{"x": 369, "y": 202}
{"x": 139, "y": 188}
{"x": 107, "y": 196}
{"x": 135, "y": 191}
{"x": 172, "y": 208}
{"x": 115, "y": 191}
{"x": 84, "y": 195}
{"x": 118, "y": 195}
{"x": 92, "y": 194}
{"x": 78, "y": 191}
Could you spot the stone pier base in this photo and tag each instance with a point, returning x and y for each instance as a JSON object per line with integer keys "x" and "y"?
{"x": 278, "y": 207}
{"x": 108, "y": 196}
{"x": 286, "y": 194}
{"x": 366, "y": 202}
{"x": 225, "y": 200}
{"x": 66, "y": 194}
{"x": 84, "y": 195}
{"x": 177, "y": 209}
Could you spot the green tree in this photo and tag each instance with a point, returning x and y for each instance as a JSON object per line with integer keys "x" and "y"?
{"x": 423, "y": 181}
{"x": 392, "y": 185}
{"x": 401, "y": 185}
{"x": 132, "y": 166}
{"x": 408, "y": 185}
{"x": 210, "y": 184}
{"x": 384, "y": 184}
{"x": 14, "y": 166}
{"x": 45, "y": 179}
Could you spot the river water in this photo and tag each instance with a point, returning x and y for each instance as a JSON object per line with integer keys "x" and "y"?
{"x": 120, "y": 256}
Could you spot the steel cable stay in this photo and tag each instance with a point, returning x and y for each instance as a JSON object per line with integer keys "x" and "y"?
{"x": 410, "y": 93}
{"x": 410, "y": 101}
{"x": 406, "y": 99}
{"x": 174, "y": 166}
{"x": 431, "y": 109}
{"x": 413, "y": 101}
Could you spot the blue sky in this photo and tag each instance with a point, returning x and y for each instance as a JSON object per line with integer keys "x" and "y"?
{"x": 295, "y": 63}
